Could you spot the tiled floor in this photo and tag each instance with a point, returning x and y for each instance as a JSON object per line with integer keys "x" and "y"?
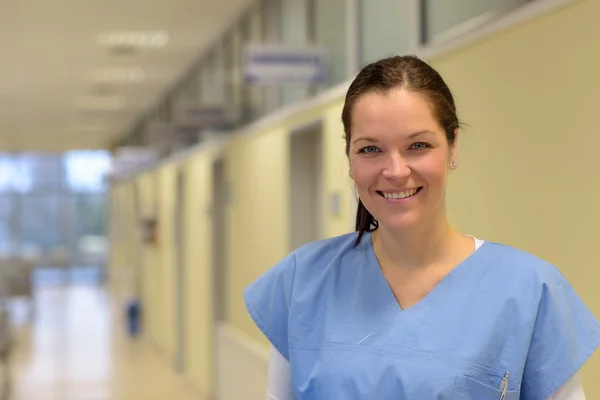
{"x": 75, "y": 348}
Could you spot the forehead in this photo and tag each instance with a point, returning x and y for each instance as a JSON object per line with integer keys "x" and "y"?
{"x": 397, "y": 112}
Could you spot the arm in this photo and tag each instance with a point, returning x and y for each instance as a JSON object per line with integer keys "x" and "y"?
{"x": 268, "y": 300}
{"x": 572, "y": 390}
{"x": 280, "y": 378}
{"x": 564, "y": 336}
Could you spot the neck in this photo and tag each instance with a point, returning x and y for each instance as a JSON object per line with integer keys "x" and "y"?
{"x": 422, "y": 246}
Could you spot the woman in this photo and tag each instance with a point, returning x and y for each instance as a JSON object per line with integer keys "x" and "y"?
{"x": 407, "y": 307}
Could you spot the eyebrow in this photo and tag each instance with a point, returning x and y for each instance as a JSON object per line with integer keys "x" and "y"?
{"x": 411, "y": 136}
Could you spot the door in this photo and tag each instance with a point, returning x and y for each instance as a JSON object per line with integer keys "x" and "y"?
{"x": 305, "y": 185}
{"x": 219, "y": 262}
{"x": 178, "y": 237}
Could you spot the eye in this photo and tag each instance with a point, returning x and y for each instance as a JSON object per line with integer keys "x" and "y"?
{"x": 368, "y": 150}
{"x": 420, "y": 146}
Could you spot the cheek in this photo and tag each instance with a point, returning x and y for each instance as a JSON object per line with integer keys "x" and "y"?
{"x": 434, "y": 170}
{"x": 364, "y": 171}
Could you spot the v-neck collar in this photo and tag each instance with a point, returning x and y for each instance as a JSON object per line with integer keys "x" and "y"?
{"x": 386, "y": 292}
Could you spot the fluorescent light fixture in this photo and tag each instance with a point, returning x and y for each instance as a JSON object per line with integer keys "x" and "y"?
{"x": 102, "y": 103}
{"x": 134, "y": 39}
{"x": 118, "y": 74}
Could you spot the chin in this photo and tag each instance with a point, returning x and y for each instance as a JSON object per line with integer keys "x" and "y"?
{"x": 399, "y": 222}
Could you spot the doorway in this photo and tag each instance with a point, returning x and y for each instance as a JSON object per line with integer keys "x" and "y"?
{"x": 219, "y": 261}
{"x": 180, "y": 292}
{"x": 306, "y": 183}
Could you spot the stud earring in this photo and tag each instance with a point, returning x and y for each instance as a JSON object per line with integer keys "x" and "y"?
{"x": 453, "y": 164}
{"x": 351, "y": 174}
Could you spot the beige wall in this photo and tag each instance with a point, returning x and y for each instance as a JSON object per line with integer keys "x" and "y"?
{"x": 164, "y": 271}
{"x": 123, "y": 262}
{"x": 147, "y": 194}
{"x": 257, "y": 217}
{"x": 157, "y": 197}
{"x": 336, "y": 174}
{"x": 528, "y": 172}
{"x": 115, "y": 233}
{"x": 258, "y": 168}
{"x": 198, "y": 254}
{"x": 527, "y": 176}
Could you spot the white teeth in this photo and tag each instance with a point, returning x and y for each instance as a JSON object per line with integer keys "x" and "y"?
{"x": 399, "y": 195}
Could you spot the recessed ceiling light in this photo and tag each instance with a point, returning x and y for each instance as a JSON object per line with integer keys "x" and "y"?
{"x": 118, "y": 74}
{"x": 134, "y": 39}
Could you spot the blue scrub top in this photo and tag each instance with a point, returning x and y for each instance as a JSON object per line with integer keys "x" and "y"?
{"x": 329, "y": 310}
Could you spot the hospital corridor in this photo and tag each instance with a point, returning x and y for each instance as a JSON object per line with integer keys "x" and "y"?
{"x": 76, "y": 348}
{"x": 299, "y": 199}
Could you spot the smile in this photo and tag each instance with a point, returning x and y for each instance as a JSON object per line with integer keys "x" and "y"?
{"x": 399, "y": 195}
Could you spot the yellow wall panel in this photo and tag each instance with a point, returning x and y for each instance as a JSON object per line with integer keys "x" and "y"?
{"x": 257, "y": 218}
{"x": 114, "y": 229}
{"x": 165, "y": 267}
{"x": 124, "y": 252}
{"x": 336, "y": 179}
{"x": 528, "y": 172}
{"x": 147, "y": 201}
{"x": 198, "y": 247}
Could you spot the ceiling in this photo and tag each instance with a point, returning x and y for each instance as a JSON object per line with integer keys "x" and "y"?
{"x": 51, "y": 51}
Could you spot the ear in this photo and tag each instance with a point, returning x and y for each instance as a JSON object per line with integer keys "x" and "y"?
{"x": 454, "y": 151}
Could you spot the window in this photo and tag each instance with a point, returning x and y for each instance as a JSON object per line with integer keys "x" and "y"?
{"x": 294, "y": 31}
{"x": 86, "y": 170}
{"x": 449, "y": 18}
{"x": 387, "y": 27}
{"x": 331, "y": 32}
{"x": 49, "y": 201}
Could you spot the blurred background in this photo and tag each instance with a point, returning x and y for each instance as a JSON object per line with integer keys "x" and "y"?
{"x": 157, "y": 157}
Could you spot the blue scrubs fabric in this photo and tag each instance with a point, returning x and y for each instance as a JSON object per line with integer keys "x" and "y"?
{"x": 329, "y": 310}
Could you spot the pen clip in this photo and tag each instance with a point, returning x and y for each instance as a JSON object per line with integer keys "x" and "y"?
{"x": 504, "y": 385}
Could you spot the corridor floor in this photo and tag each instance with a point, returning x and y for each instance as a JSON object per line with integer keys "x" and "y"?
{"x": 75, "y": 348}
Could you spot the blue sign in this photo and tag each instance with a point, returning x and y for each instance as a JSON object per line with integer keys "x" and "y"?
{"x": 273, "y": 64}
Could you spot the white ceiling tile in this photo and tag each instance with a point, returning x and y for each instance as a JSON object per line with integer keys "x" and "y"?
{"x": 50, "y": 48}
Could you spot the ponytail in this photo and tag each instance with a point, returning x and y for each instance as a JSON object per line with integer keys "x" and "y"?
{"x": 365, "y": 222}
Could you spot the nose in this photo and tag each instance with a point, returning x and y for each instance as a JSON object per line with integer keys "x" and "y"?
{"x": 395, "y": 167}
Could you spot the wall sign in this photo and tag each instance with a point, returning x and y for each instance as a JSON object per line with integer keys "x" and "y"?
{"x": 279, "y": 64}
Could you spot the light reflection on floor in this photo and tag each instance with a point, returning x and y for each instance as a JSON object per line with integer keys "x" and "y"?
{"x": 75, "y": 348}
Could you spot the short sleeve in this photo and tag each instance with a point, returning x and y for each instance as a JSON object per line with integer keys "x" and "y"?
{"x": 268, "y": 302}
{"x": 565, "y": 335}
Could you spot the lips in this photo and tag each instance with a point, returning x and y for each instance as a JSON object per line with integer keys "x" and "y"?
{"x": 399, "y": 195}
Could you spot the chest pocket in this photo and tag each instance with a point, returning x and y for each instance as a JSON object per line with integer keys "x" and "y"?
{"x": 466, "y": 388}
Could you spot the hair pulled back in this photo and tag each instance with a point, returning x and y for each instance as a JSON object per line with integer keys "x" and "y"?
{"x": 399, "y": 72}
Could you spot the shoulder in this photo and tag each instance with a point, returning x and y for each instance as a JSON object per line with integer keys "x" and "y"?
{"x": 559, "y": 329}
{"x": 318, "y": 258}
{"x": 317, "y": 255}
{"x": 270, "y": 297}
{"x": 519, "y": 265}
{"x": 322, "y": 252}
{"x": 517, "y": 278}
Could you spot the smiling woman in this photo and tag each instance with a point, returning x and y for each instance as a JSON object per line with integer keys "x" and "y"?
{"x": 399, "y": 147}
{"x": 408, "y": 307}
{"x": 408, "y": 107}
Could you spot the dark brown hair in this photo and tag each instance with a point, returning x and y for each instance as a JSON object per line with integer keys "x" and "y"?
{"x": 399, "y": 72}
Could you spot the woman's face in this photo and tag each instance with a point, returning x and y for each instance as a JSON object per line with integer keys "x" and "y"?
{"x": 399, "y": 158}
